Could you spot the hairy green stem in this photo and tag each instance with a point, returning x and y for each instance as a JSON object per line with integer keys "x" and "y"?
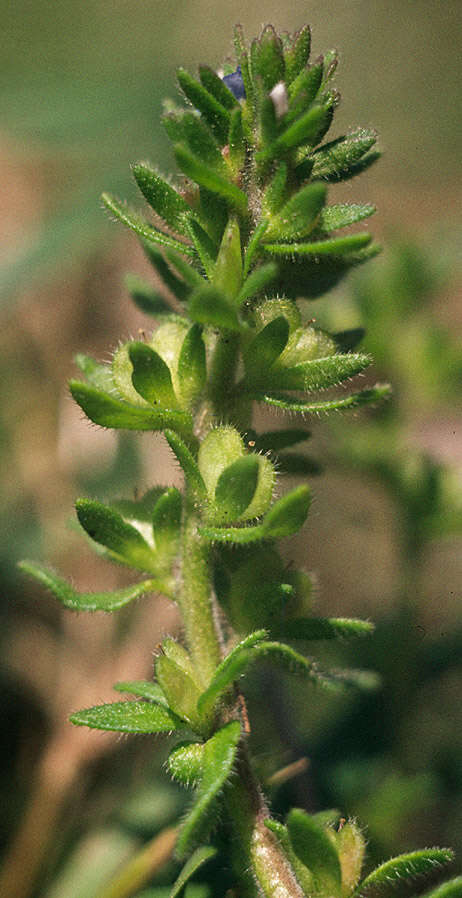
{"x": 259, "y": 861}
{"x": 196, "y": 598}
{"x": 222, "y": 374}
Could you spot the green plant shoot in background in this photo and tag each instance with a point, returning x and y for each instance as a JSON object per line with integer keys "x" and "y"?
{"x": 246, "y": 240}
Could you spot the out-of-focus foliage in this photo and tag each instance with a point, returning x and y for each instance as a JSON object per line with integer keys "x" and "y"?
{"x": 396, "y": 762}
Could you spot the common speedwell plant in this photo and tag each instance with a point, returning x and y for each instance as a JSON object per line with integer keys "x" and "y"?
{"x": 245, "y": 238}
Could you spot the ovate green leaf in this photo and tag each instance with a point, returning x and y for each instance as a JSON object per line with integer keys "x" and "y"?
{"x": 288, "y": 514}
{"x": 315, "y": 850}
{"x": 107, "y": 411}
{"x": 344, "y": 214}
{"x": 128, "y": 717}
{"x": 107, "y": 527}
{"x": 236, "y": 488}
{"x": 151, "y": 376}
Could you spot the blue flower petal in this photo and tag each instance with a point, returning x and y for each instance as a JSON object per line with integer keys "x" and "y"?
{"x": 235, "y": 84}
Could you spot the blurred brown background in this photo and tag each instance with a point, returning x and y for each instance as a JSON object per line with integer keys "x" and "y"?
{"x": 81, "y": 92}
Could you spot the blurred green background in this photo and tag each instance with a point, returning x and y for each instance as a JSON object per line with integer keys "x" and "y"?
{"x": 81, "y": 95}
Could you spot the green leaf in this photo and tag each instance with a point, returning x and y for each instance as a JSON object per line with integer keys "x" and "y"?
{"x": 204, "y": 246}
{"x": 334, "y": 246}
{"x": 325, "y": 628}
{"x": 108, "y": 528}
{"x": 257, "y": 281}
{"x": 143, "y": 689}
{"x": 275, "y": 440}
{"x": 304, "y": 876}
{"x": 209, "y": 306}
{"x": 275, "y": 192}
{"x": 187, "y": 461}
{"x": 217, "y": 87}
{"x": 299, "y": 215}
{"x": 86, "y": 601}
{"x": 180, "y": 287}
{"x": 451, "y": 889}
{"x": 151, "y": 376}
{"x": 219, "y": 756}
{"x": 298, "y": 53}
{"x": 236, "y": 140}
{"x": 265, "y": 349}
{"x": 228, "y": 270}
{"x": 305, "y": 88}
{"x": 315, "y": 850}
{"x": 166, "y": 521}
{"x": 128, "y": 717}
{"x": 285, "y": 517}
{"x": 304, "y": 130}
{"x": 162, "y": 197}
{"x": 344, "y": 214}
{"x": 98, "y": 375}
{"x": 180, "y": 690}
{"x": 318, "y": 374}
{"x": 351, "y": 847}
{"x": 141, "y": 227}
{"x": 192, "y": 370}
{"x": 242, "y": 58}
{"x": 145, "y": 297}
{"x": 230, "y": 669}
{"x": 253, "y": 648}
{"x": 341, "y": 158}
{"x": 214, "y": 113}
{"x": 288, "y": 514}
{"x": 196, "y": 169}
{"x": 192, "y": 131}
{"x": 236, "y": 488}
{"x": 354, "y": 400}
{"x": 267, "y": 58}
{"x": 401, "y": 872}
{"x": 195, "y": 862}
{"x": 107, "y": 411}
{"x": 185, "y": 763}
{"x": 253, "y": 246}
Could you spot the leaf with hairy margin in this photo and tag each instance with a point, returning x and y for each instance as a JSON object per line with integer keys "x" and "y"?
{"x": 400, "y": 873}
{"x": 128, "y": 717}
{"x": 87, "y": 601}
{"x": 108, "y": 411}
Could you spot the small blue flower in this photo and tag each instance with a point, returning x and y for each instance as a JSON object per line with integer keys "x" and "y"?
{"x": 235, "y": 84}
